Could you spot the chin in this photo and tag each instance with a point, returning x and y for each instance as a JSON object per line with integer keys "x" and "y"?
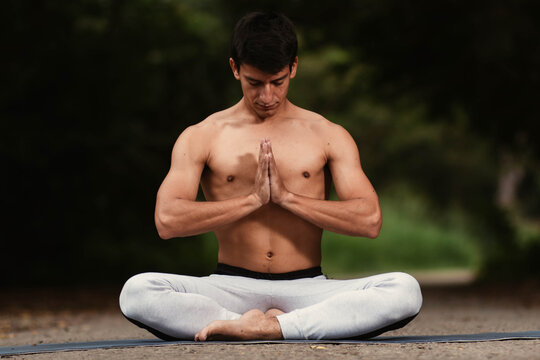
{"x": 266, "y": 114}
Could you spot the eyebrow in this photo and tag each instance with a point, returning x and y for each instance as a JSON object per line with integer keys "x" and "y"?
{"x": 255, "y": 80}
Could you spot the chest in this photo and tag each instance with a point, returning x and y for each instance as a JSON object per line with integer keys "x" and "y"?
{"x": 233, "y": 161}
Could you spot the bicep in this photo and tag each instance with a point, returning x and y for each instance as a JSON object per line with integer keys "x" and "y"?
{"x": 187, "y": 163}
{"x": 349, "y": 179}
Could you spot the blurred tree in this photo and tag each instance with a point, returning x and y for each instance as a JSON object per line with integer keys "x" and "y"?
{"x": 468, "y": 75}
{"x": 95, "y": 93}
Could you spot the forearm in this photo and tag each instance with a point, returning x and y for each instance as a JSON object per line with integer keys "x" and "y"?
{"x": 180, "y": 217}
{"x": 355, "y": 217}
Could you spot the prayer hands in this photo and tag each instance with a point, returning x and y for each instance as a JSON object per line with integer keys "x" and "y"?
{"x": 261, "y": 188}
{"x": 268, "y": 184}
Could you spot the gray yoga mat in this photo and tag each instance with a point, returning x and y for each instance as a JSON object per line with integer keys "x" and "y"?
{"x": 107, "y": 344}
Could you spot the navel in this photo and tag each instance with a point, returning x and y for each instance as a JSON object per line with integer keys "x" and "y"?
{"x": 306, "y": 174}
{"x": 230, "y": 178}
{"x": 269, "y": 254}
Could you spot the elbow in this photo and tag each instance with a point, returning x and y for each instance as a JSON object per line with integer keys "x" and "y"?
{"x": 164, "y": 235}
{"x": 171, "y": 226}
{"x": 374, "y": 225}
{"x": 163, "y": 226}
{"x": 373, "y": 231}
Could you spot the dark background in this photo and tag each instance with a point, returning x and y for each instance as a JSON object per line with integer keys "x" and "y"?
{"x": 440, "y": 95}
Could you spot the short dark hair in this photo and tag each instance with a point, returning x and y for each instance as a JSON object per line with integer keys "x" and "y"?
{"x": 265, "y": 40}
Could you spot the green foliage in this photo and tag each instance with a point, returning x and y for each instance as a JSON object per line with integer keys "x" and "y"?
{"x": 413, "y": 237}
{"x": 98, "y": 93}
{"x": 95, "y": 93}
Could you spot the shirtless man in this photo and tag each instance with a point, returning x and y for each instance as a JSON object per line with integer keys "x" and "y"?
{"x": 265, "y": 167}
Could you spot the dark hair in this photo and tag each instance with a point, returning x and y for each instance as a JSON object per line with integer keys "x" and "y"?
{"x": 265, "y": 40}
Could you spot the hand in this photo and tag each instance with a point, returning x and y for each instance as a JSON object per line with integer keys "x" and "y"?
{"x": 261, "y": 188}
{"x": 278, "y": 191}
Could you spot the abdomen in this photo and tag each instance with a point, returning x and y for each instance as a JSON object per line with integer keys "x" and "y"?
{"x": 272, "y": 240}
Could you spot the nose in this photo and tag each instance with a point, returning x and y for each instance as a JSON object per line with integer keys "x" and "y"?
{"x": 266, "y": 94}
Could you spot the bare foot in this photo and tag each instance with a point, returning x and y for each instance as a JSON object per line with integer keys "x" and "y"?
{"x": 253, "y": 325}
{"x": 273, "y": 312}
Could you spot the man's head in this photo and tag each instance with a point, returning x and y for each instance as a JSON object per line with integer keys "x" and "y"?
{"x": 264, "y": 46}
{"x": 265, "y": 40}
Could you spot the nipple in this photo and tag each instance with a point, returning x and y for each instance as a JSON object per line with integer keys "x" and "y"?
{"x": 306, "y": 174}
{"x": 230, "y": 178}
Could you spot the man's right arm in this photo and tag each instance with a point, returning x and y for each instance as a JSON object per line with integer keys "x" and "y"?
{"x": 177, "y": 214}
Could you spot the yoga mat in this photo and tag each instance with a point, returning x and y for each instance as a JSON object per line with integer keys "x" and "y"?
{"x": 107, "y": 344}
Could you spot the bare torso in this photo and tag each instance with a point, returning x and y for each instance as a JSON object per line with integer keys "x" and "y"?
{"x": 271, "y": 239}
{"x": 266, "y": 200}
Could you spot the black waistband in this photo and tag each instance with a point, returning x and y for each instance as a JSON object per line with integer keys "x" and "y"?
{"x": 224, "y": 269}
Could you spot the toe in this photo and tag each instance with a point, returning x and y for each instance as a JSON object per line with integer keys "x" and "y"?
{"x": 202, "y": 335}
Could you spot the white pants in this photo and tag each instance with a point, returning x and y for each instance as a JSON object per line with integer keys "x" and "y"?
{"x": 178, "y": 306}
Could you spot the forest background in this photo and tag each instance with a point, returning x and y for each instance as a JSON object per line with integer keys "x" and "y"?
{"x": 440, "y": 96}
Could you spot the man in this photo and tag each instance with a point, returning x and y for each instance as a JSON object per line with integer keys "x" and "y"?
{"x": 265, "y": 167}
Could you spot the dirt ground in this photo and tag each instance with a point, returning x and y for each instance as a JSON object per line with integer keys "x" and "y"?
{"x": 56, "y": 315}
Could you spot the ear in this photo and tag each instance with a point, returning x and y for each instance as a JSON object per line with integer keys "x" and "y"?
{"x": 294, "y": 67}
{"x": 235, "y": 69}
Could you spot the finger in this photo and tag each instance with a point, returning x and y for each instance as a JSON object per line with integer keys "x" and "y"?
{"x": 272, "y": 167}
{"x": 269, "y": 147}
{"x": 267, "y": 160}
{"x": 262, "y": 152}
{"x": 264, "y": 156}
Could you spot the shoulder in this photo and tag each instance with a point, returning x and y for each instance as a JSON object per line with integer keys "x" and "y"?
{"x": 204, "y": 130}
{"x": 336, "y": 141}
{"x": 194, "y": 140}
{"x": 339, "y": 143}
{"x": 328, "y": 131}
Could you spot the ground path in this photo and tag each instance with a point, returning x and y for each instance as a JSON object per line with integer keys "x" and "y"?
{"x": 54, "y": 316}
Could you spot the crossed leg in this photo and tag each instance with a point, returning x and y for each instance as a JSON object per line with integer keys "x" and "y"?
{"x": 184, "y": 307}
{"x": 328, "y": 309}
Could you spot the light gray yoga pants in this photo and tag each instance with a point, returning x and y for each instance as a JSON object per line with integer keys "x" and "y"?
{"x": 179, "y": 306}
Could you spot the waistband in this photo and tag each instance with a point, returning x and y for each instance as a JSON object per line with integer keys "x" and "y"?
{"x": 224, "y": 269}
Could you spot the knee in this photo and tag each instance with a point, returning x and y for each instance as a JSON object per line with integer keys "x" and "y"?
{"x": 410, "y": 293}
{"x": 134, "y": 294}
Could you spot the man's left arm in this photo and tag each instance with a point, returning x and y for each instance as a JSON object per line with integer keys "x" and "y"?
{"x": 357, "y": 213}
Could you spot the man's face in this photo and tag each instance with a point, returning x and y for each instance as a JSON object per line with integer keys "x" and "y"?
{"x": 264, "y": 93}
